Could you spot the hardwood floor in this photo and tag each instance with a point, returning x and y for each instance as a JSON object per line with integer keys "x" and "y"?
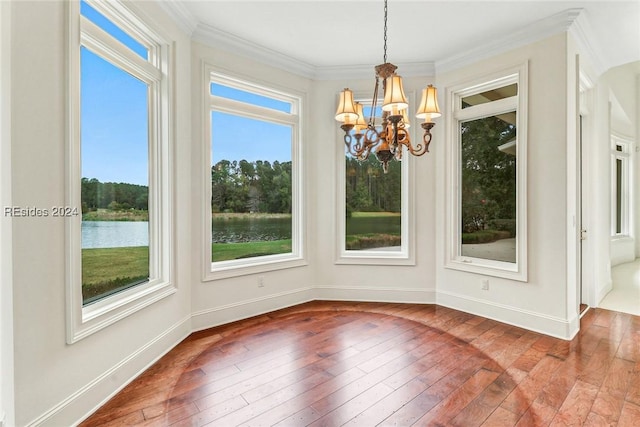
{"x": 367, "y": 364}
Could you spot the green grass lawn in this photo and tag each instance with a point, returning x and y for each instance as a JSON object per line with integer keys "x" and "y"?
{"x": 104, "y": 270}
{"x": 120, "y": 215}
{"x": 229, "y": 251}
{"x": 373, "y": 214}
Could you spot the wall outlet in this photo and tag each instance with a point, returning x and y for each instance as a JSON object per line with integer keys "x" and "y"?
{"x": 261, "y": 281}
{"x": 485, "y": 284}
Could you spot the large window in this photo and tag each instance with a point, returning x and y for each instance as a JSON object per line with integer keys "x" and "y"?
{"x": 374, "y": 222}
{"x": 487, "y": 215}
{"x": 253, "y": 216}
{"x": 620, "y": 186}
{"x": 118, "y": 210}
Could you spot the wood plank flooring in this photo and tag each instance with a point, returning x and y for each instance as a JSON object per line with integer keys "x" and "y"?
{"x": 368, "y": 364}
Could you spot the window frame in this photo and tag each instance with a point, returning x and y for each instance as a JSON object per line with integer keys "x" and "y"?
{"x": 83, "y": 321}
{"x": 406, "y": 255}
{"x": 232, "y": 268}
{"x": 456, "y": 114}
{"x": 624, "y": 156}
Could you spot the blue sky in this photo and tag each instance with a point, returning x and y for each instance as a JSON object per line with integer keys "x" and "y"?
{"x": 114, "y": 123}
{"x": 236, "y": 138}
{"x": 113, "y": 109}
{"x": 114, "y": 119}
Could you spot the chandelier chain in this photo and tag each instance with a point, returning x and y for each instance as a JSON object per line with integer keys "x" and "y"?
{"x": 385, "y": 31}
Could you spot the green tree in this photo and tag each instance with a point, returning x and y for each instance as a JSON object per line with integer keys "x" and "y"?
{"x": 488, "y": 173}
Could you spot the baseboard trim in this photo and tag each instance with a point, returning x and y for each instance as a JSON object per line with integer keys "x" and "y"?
{"x": 217, "y": 316}
{"x": 603, "y": 292}
{"x": 526, "y": 319}
{"x": 374, "y": 294}
{"x": 73, "y": 409}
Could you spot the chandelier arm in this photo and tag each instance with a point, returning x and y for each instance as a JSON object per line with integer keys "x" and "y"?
{"x": 363, "y": 144}
{"x": 374, "y": 102}
{"x": 348, "y": 140}
{"x": 420, "y": 148}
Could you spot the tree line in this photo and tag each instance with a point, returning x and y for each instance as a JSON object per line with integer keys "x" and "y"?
{"x": 111, "y": 195}
{"x": 251, "y": 187}
{"x": 369, "y": 189}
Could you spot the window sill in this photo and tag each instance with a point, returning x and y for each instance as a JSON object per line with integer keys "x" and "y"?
{"x": 375, "y": 258}
{"x": 229, "y": 269}
{"x": 505, "y": 270}
{"x": 107, "y": 311}
{"x": 622, "y": 238}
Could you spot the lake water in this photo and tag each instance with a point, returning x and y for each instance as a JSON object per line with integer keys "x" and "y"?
{"x": 114, "y": 234}
{"x": 236, "y": 230}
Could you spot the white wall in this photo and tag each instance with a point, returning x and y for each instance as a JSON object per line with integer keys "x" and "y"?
{"x": 56, "y": 383}
{"x": 6, "y": 280}
{"x": 572, "y": 118}
{"x": 224, "y": 300}
{"x": 542, "y": 303}
{"x": 636, "y": 181}
{"x": 401, "y": 283}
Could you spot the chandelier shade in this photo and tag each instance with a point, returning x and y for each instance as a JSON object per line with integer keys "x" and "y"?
{"x": 346, "y": 111}
{"x": 394, "y": 98}
{"x": 360, "y": 124}
{"x": 428, "y": 108}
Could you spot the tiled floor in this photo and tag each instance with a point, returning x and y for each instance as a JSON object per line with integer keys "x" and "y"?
{"x": 625, "y": 295}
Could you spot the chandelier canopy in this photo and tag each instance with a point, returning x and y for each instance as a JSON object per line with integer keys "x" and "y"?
{"x": 388, "y": 138}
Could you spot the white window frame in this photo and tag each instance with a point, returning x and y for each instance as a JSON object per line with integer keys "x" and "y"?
{"x": 83, "y": 321}
{"x": 406, "y": 254}
{"x": 456, "y": 114}
{"x": 625, "y": 157}
{"x": 239, "y": 267}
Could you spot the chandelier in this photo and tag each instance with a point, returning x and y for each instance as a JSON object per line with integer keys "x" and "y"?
{"x": 388, "y": 138}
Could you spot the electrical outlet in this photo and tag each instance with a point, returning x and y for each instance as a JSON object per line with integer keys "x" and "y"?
{"x": 261, "y": 281}
{"x": 485, "y": 284}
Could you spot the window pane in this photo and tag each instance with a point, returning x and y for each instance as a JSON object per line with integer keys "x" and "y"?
{"x": 250, "y": 98}
{"x": 115, "y": 179}
{"x": 105, "y": 23}
{"x": 373, "y": 215}
{"x": 251, "y": 187}
{"x": 488, "y": 193}
{"x": 619, "y": 196}
{"x": 490, "y": 95}
{"x": 366, "y": 110}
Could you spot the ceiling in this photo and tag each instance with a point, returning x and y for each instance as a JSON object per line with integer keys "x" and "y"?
{"x": 325, "y": 34}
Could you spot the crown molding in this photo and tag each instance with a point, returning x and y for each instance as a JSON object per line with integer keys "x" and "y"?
{"x": 226, "y": 41}
{"x": 406, "y": 69}
{"x": 582, "y": 33}
{"x": 229, "y": 42}
{"x": 571, "y": 20}
{"x": 180, "y": 15}
{"x": 555, "y": 24}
